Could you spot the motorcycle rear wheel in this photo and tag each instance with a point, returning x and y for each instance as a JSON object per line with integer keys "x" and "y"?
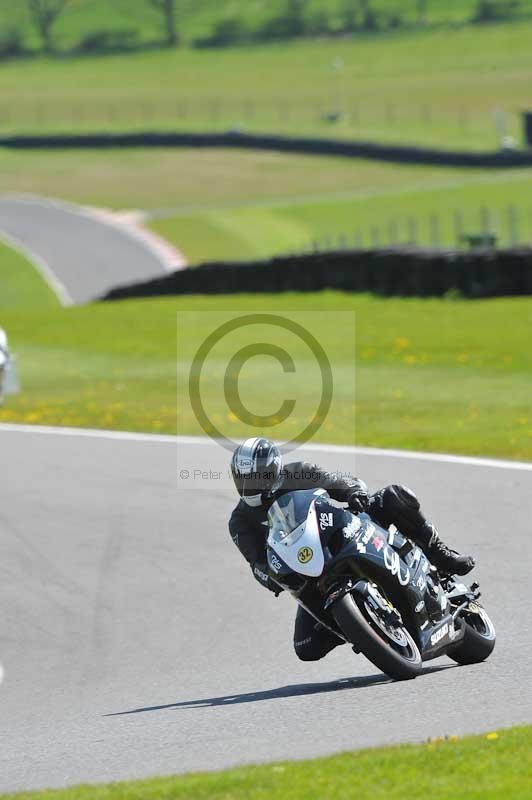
{"x": 383, "y": 640}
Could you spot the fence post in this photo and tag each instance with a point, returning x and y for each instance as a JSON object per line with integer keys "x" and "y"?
{"x": 458, "y": 224}
{"x": 412, "y": 231}
{"x": 495, "y": 225}
{"x": 375, "y": 237}
{"x": 392, "y": 232}
{"x": 357, "y": 241}
{"x": 513, "y": 226}
{"x": 484, "y": 222}
{"x": 434, "y": 227}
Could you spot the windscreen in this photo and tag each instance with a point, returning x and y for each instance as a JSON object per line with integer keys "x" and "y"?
{"x": 290, "y": 510}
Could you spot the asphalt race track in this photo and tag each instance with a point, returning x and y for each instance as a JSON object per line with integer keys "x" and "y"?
{"x": 135, "y": 641}
{"x": 88, "y": 256}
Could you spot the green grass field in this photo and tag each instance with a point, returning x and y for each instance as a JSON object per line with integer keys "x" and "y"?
{"x": 190, "y": 180}
{"x": 492, "y": 766}
{"x": 216, "y": 204}
{"x": 443, "y": 375}
{"x": 417, "y": 206}
{"x": 21, "y": 287}
{"x": 398, "y": 87}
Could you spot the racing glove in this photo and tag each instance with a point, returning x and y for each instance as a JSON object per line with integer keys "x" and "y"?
{"x": 358, "y": 500}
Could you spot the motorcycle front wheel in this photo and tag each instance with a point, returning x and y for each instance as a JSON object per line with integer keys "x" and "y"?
{"x": 375, "y": 629}
{"x": 479, "y": 636}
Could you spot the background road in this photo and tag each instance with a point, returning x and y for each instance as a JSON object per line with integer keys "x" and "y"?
{"x": 86, "y": 256}
{"x": 136, "y": 642}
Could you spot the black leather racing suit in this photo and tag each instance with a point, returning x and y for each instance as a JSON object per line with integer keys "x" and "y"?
{"x": 249, "y": 530}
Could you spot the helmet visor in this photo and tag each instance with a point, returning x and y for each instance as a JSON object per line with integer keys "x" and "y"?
{"x": 258, "y": 482}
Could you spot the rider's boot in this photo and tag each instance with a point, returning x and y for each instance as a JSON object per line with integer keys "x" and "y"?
{"x": 441, "y": 556}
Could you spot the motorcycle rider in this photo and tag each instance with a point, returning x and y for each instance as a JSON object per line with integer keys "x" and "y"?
{"x": 260, "y": 479}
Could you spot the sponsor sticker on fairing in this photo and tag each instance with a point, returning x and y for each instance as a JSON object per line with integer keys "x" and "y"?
{"x": 393, "y": 564}
{"x": 439, "y": 635}
{"x": 275, "y": 563}
{"x": 351, "y": 529}
{"x": 367, "y": 534}
{"x": 326, "y": 520}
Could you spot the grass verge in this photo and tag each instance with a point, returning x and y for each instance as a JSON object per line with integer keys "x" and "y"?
{"x": 21, "y": 286}
{"x": 493, "y": 766}
{"x": 443, "y": 375}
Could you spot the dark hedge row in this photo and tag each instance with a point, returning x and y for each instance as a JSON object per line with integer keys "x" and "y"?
{"x": 407, "y": 272}
{"x": 311, "y": 146}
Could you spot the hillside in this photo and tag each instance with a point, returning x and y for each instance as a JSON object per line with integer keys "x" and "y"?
{"x": 366, "y": 89}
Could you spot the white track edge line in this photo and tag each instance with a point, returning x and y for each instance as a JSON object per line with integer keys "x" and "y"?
{"x": 133, "y": 436}
{"x": 41, "y": 265}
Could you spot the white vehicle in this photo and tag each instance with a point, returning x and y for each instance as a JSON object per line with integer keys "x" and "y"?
{"x": 8, "y": 373}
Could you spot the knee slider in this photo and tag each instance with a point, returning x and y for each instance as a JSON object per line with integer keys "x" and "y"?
{"x": 306, "y": 655}
{"x": 306, "y": 650}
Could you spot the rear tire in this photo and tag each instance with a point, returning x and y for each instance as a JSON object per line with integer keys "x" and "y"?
{"x": 398, "y": 661}
{"x": 479, "y": 637}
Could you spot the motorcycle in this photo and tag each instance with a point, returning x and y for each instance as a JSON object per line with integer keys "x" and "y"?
{"x": 9, "y": 383}
{"x": 372, "y": 587}
{"x": 3, "y": 368}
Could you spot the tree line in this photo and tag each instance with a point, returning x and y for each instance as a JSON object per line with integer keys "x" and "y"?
{"x": 293, "y": 20}
{"x": 45, "y": 13}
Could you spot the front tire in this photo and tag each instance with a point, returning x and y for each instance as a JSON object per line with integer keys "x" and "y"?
{"x": 479, "y": 637}
{"x": 380, "y": 636}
